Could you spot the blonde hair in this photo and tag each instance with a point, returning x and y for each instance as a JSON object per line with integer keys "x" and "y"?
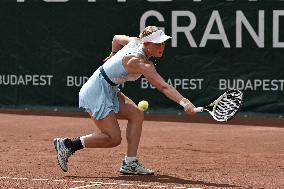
{"x": 147, "y": 31}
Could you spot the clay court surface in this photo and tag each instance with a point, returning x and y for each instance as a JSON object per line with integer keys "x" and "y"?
{"x": 184, "y": 155}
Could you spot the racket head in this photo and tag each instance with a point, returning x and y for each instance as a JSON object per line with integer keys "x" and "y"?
{"x": 227, "y": 105}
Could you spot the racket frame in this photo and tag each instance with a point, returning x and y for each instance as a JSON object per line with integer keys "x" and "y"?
{"x": 213, "y": 105}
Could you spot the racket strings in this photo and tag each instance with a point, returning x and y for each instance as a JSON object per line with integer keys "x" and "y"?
{"x": 228, "y": 105}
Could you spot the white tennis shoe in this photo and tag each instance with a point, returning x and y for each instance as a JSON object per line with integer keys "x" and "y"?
{"x": 135, "y": 168}
{"x": 63, "y": 153}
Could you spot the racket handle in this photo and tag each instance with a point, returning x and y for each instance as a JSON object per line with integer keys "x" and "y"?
{"x": 198, "y": 109}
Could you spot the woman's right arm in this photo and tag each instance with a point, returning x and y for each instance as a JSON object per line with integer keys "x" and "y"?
{"x": 118, "y": 42}
{"x": 150, "y": 73}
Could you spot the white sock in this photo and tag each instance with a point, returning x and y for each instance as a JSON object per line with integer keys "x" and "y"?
{"x": 129, "y": 160}
{"x": 82, "y": 138}
{"x": 82, "y": 141}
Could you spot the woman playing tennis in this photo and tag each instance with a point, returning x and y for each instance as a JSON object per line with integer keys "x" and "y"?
{"x": 101, "y": 98}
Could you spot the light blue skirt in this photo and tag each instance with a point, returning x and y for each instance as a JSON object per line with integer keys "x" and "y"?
{"x": 98, "y": 97}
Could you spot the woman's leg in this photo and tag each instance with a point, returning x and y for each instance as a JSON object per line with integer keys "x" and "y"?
{"x": 135, "y": 117}
{"x": 110, "y": 135}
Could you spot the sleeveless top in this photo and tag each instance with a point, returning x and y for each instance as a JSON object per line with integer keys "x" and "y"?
{"x": 113, "y": 67}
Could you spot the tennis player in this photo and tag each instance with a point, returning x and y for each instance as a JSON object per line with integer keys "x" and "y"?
{"x": 101, "y": 98}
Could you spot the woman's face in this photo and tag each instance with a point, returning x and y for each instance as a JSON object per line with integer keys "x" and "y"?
{"x": 155, "y": 49}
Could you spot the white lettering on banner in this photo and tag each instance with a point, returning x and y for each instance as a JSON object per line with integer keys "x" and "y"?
{"x": 34, "y": 80}
{"x": 241, "y": 23}
{"x": 276, "y": 15}
{"x": 242, "y": 20}
{"x": 221, "y": 36}
{"x": 184, "y": 29}
{"x": 252, "y": 85}
{"x": 184, "y": 83}
{"x": 76, "y": 81}
{"x": 148, "y": 14}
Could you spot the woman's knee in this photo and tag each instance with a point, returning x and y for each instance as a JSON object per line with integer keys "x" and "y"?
{"x": 115, "y": 140}
{"x": 136, "y": 115}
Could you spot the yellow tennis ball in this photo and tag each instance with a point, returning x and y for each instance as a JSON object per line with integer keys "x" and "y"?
{"x": 143, "y": 105}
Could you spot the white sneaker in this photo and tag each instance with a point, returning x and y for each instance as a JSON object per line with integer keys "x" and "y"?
{"x": 63, "y": 153}
{"x": 135, "y": 168}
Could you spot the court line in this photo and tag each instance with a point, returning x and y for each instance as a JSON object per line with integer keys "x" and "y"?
{"x": 93, "y": 183}
{"x": 142, "y": 185}
{"x": 126, "y": 184}
{"x": 78, "y": 181}
{"x": 40, "y": 179}
{"x": 109, "y": 183}
{"x": 59, "y": 180}
{"x": 86, "y": 186}
{"x": 20, "y": 178}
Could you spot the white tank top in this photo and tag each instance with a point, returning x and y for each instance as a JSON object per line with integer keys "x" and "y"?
{"x": 114, "y": 66}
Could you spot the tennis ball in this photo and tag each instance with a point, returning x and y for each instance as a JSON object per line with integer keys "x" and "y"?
{"x": 143, "y": 105}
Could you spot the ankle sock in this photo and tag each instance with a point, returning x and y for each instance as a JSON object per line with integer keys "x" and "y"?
{"x": 82, "y": 141}
{"x": 75, "y": 144}
{"x": 129, "y": 160}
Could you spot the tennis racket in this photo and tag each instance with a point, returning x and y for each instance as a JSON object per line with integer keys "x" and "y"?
{"x": 225, "y": 107}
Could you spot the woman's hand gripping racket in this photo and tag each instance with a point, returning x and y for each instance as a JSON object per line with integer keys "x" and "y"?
{"x": 225, "y": 107}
